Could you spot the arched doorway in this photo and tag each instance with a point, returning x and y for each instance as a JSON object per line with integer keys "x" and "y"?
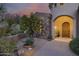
{"x": 65, "y": 29}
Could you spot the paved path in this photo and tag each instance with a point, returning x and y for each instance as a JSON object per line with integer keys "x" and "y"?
{"x": 55, "y": 48}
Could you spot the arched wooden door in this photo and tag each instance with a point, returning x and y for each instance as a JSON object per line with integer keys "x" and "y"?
{"x": 65, "y": 29}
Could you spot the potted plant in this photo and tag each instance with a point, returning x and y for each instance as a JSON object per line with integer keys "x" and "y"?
{"x": 28, "y": 43}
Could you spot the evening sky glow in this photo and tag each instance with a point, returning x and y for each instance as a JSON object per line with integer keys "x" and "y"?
{"x": 27, "y": 8}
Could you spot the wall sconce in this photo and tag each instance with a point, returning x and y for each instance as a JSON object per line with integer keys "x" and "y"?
{"x": 55, "y": 27}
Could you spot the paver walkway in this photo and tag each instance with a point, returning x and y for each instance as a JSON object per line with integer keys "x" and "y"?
{"x": 55, "y": 48}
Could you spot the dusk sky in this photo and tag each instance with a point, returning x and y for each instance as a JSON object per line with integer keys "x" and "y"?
{"x": 27, "y": 8}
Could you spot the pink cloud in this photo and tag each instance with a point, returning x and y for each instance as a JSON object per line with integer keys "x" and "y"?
{"x": 35, "y": 7}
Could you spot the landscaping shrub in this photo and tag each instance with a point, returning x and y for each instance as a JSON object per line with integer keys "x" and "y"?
{"x": 74, "y": 45}
{"x": 4, "y": 31}
{"x": 7, "y": 46}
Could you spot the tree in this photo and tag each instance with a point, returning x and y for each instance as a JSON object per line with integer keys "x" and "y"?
{"x": 2, "y": 11}
{"x": 2, "y": 8}
{"x": 30, "y": 24}
{"x": 35, "y": 23}
{"x": 10, "y": 22}
{"x": 24, "y": 23}
{"x": 17, "y": 18}
{"x": 51, "y": 5}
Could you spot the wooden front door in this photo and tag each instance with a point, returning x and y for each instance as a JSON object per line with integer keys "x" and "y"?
{"x": 65, "y": 29}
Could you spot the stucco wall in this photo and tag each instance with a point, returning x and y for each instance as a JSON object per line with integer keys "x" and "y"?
{"x": 66, "y": 9}
{"x": 60, "y": 20}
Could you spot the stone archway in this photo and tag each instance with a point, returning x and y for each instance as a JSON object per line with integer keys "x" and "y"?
{"x": 63, "y": 26}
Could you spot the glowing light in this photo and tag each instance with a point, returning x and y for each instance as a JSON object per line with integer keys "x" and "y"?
{"x": 55, "y": 27}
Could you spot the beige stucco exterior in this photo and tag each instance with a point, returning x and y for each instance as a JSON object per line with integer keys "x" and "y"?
{"x": 64, "y": 13}
{"x": 58, "y": 24}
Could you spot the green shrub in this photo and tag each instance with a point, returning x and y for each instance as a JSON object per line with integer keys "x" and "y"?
{"x": 74, "y": 45}
{"x": 29, "y": 42}
{"x": 4, "y": 31}
{"x": 7, "y": 46}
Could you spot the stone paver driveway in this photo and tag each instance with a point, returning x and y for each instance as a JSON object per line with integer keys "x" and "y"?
{"x": 54, "y": 48}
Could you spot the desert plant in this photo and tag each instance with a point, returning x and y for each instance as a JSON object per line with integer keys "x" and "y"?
{"x": 7, "y": 46}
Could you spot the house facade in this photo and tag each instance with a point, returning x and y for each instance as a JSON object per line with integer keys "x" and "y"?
{"x": 64, "y": 20}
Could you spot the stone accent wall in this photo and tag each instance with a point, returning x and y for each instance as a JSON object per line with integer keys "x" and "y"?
{"x": 45, "y": 33}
